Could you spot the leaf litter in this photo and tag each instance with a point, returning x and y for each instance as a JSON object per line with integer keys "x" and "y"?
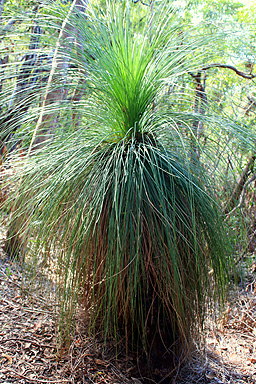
{"x": 30, "y": 353}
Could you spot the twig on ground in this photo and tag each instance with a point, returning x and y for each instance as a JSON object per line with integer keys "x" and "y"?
{"x": 38, "y": 380}
{"x": 28, "y": 341}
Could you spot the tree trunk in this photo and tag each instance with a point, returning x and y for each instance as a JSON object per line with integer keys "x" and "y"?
{"x": 1, "y": 9}
{"x": 200, "y": 104}
{"x": 15, "y": 244}
{"x": 49, "y": 122}
{"x": 240, "y": 184}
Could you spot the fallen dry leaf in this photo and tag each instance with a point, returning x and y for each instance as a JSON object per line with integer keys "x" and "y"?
{"x": 7, "y": 357}
{"x": 101, "y": 362}
{"x": 252, "y": 360}
{"x": 136, "y": 381}
{"x": 37, "y": 325}
{"x": 211, "y": 375}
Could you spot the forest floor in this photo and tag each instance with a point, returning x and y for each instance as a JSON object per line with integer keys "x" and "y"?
{"x": 28, "y": 340}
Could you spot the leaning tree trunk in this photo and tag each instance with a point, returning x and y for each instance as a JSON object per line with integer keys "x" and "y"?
{"x": 19, "y": 105}
{"x": 49, "y": 121}
{"x": 15, "y": 244}
{"x": 240, "y": 184}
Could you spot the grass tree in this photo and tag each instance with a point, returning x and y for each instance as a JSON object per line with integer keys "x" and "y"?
{"x": 122, "y": 200}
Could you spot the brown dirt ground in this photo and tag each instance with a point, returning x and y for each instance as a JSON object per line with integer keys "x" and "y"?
{"x": 28, "y": 341}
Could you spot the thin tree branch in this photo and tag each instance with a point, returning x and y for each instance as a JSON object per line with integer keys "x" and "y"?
{"x": 227, "y": 66}
{"x": 142, "y": 2}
